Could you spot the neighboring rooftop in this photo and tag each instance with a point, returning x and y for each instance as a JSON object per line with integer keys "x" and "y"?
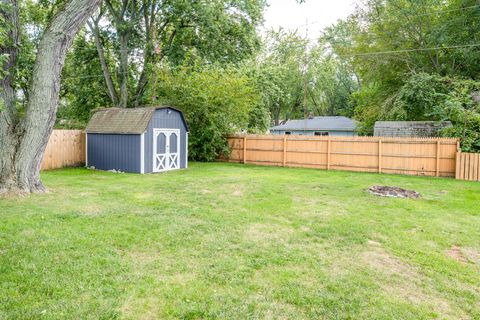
{"x": 410, "y": 128}
{"x": 319, "y": 123}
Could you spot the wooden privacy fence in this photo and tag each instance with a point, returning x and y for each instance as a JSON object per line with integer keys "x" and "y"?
{"x": 468, "y": 166}
{"x": 65, "y": 148}
{"x": 412, "y": 156}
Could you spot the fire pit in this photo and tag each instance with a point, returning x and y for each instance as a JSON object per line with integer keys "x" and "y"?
{"x": 393, "y": 192}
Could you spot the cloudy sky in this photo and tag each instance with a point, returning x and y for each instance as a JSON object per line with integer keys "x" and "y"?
{"x": 320, "y": 14}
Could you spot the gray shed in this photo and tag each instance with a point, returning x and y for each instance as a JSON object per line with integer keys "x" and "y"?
{"x": 317, "y": 126}
{"x": 410, "y": 128}
{"x": 139, "y": 140}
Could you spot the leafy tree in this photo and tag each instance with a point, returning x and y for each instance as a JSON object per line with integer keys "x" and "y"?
{"x": 432, "y": 97}
{"x": 142, "y": 34}
{"x": 390, "y": 44}
{"x": 216, "y": 102}
{"x": 280, "y": 73}
{"x": 83, "y": 86}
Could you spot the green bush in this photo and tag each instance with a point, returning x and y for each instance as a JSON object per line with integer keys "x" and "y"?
{"x": 426, "y": 97}
{"x": 217, "y": 102}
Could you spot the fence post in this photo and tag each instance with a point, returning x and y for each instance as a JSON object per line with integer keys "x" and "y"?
{"x": 379, "y": 155}
{"x": 437, "y": 166}
{"x": 458, "y": 167}
{"x": 244, "y": 149}
{"x": 328, "y": 153}
{"x": 284, "y": 151}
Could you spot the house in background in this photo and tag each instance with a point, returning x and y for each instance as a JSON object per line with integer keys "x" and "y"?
{"x": 410, "y": 128}
{"x": 317, "y": 126}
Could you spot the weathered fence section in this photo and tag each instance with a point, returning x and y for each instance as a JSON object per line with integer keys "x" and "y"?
{"x": 65, "y": 148}
{"x": 412, "y": 156}
{"x": 468, "y": 166}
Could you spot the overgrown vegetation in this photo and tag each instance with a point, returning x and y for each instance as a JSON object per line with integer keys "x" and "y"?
{"x": 414, "y": 60}
{"x": 224, "y": 241}
{"x": 390, "y": 60}
{"x": 216, "y": 102}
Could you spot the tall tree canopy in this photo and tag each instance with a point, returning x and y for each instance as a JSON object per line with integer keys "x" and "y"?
{"x": 390, "y": 45}
{"x": 132, "y": 37}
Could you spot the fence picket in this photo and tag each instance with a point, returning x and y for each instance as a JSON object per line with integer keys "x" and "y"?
{"x": 468, "y": 166}
{"x": 64, "y": 148}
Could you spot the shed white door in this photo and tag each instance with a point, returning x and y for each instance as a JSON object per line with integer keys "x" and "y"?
{"x": 166, "y": 149}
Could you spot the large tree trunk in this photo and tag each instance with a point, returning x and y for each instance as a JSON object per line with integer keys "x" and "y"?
{"x": 25, "y": 139}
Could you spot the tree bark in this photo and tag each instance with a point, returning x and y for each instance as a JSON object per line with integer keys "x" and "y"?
{"x": 8, "y": 111}
{"x": 123, "y": 69}
{"x": 25, "y": 139}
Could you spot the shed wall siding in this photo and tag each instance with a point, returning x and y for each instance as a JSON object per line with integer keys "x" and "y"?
{"x": 164, "y": 120}
{"x": 114, "y": 151}
{"x": 312, "y": 133}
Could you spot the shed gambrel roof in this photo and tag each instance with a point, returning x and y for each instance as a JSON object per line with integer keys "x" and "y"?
{"x": 319, "y": 123}
{"x": 124, "y": 121}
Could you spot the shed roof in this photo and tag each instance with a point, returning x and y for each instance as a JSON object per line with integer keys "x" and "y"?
{"x": 410, "y": 128}
{"x": 124, "y": 121}
{"x": 319, "y": 123}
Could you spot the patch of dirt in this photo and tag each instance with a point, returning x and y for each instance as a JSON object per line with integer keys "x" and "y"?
{"x": 472, "y": 255}
{"x": 393, "y": 192}
{"x": 237, "y": 193}
{"x": 455, "y": 252}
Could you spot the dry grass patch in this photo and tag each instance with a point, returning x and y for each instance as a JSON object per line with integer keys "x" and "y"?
{"x": 455, "y": 252}
{"x": 91, "y": 210}
{"x": 143, "y": 195}
{"x": 403, "y": 281}
{"x": 473, "y": 255}
{"x": 142, "y": 308}
{"x": 268, "y": 233}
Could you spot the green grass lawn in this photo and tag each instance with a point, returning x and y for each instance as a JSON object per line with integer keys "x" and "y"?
{"x": 226, "y": 241}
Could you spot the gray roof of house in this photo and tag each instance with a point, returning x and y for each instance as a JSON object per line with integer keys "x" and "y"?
{"x": 410, "y": 128}
{"x": 123, "y": 120}
{"x": 319, "y": 123}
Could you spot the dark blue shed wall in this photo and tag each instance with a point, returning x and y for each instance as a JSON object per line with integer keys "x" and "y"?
{"x": 114, "y": 151}
{"x": 162, "y": 119}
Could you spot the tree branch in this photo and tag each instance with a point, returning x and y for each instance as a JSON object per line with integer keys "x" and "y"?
{"x": 101, "y": 55}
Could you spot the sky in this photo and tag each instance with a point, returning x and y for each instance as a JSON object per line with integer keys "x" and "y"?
{"x": 319, "y": 13}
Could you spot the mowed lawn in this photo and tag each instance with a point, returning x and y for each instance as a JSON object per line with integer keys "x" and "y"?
{"x": 226, "y": 241}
